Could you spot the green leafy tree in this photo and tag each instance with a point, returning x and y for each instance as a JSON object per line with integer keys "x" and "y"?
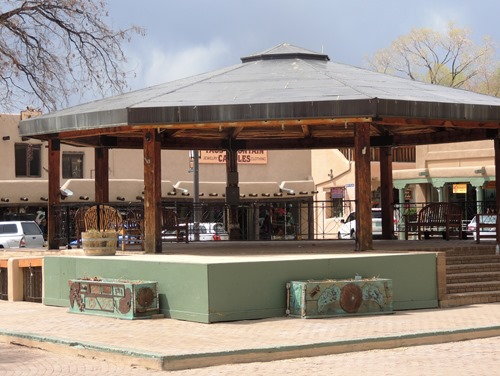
{"x": 54, "y": 50}
{"x": 451, "y": 59}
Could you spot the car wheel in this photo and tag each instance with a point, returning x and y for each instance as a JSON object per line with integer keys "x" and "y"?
{"x": 353, "y": 234}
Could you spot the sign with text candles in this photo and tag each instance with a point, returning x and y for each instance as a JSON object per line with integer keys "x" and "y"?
{"x": 244, "y": 156}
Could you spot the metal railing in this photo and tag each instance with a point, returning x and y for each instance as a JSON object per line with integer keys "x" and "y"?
{"x": 295, "y": 220}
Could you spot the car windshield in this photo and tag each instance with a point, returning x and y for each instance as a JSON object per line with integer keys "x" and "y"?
{"x": 377, "y": 214}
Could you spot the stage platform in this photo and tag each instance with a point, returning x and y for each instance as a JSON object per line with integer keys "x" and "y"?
{"x": 229, "y": 281}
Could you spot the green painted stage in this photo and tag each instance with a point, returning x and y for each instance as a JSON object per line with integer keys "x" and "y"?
{"x": 218, "y": 287}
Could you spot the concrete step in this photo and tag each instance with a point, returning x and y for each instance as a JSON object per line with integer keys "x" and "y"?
{"x": 472, "y": 268}
{"x": 472, "y": 250}
{"x": 467, "y": 298}
{"x": 457, "y": 288}
{"x": 472, "y": 277}
{"x": 472, "y": 259}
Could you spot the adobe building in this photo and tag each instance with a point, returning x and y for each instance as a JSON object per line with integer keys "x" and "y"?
{"x": 272, "y": 182}
{"x": 461, "y": 173}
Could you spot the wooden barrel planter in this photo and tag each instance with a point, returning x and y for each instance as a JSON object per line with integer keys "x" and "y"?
{"x": 99, "y": 243}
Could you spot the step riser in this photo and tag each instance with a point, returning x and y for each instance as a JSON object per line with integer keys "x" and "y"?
{"x": 473, "y": 278}
{"x": 456, "y": 269}
{"x": 460, "y": 290}
{"x": 473, "y": 260}
{"x": 452, "y": 301}
{"x": 486, "y": 250}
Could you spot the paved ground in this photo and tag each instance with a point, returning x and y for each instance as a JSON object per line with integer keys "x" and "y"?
{"x": 42, "y": 340}
{"x": 84, "y": 344}
{"x": 466, "y": 358}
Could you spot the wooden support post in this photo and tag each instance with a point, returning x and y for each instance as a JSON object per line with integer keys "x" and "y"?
{"x": 101, "y": 155}
{"x": 497, "y": 182}
{"x": 387, "y": 193}
{"x": 233, "y": 193}
{"x": 364, "y": 236}
{"x": 54, "y": 192}
{"x": 152, "y": 192}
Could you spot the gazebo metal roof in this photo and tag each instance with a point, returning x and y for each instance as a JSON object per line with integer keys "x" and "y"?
{"x": 283, "y": 98}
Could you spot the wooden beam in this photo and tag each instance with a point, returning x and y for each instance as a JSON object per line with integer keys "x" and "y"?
{"x": 386, "y": 190}
{"x": 101, "y": 175}
{"x": 54, "y": 193}
{"x": 439, "y": 123}
{"x": 233, "y": 193}
{"x": 152, "y": 192}
{"x": 497, "y": 183}
{"x": 364, "y": 235}
{"x": 236, "y": 131}
{"x": 458, "y": 135}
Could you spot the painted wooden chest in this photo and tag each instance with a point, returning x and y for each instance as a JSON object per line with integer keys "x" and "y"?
{"x": 326, "y": 298}
{"x": 126, "y": 299}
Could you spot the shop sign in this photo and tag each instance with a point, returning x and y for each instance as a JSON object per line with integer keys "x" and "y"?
{"x": 244, "y": 156}
{"x": 460, "y": 188}
{"x": 337, "y": 192}
{"x": 490, "y": 185}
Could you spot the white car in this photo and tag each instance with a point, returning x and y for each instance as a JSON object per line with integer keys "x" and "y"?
{"x": 348, "y": 228}
{"x": 209, "y": 231}
{"x": 20, "y": 234}
{"x": 490, "y": 232}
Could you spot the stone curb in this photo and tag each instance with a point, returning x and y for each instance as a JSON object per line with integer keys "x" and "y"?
{"x": 125, "y": 356}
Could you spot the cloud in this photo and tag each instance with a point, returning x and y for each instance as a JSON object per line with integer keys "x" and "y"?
{"x": 161, "y": 65}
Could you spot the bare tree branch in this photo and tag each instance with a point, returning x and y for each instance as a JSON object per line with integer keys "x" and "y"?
{"x": 52, "y": 50}
{"x": 449, "y": 59}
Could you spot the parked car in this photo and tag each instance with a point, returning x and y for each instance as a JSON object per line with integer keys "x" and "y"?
{"x": 209, "y": 231}
{"x": 20, "y": 234}
{"x": 348, "y": 228}
{"x": 490, "y": 232}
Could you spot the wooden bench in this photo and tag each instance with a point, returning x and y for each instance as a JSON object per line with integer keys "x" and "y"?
{"x": 439, "y": 218}
{"x": 485, "y": 227}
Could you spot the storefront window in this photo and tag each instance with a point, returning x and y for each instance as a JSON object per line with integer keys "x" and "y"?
{"x": 278, "y": 221}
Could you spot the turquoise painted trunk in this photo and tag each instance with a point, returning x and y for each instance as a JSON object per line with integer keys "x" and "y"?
{"x": 123, "y": 299}
{"x": 327, "y": 298}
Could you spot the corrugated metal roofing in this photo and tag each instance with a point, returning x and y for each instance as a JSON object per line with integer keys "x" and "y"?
{"x": 285, "y": 83}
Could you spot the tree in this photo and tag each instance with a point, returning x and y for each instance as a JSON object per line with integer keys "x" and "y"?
{"x": 449, "y": 59}
{"x": 52, "y": 50}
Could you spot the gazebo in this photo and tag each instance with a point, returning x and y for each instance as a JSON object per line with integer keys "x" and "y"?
{"x": 283, "y": 98}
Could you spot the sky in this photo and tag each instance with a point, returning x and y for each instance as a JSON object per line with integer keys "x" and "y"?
{"x": 188, "y": 37}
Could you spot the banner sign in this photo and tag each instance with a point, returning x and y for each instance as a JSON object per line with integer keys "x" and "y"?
{"x": 244, "y": 156}
{"x": 337, "y": 192}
